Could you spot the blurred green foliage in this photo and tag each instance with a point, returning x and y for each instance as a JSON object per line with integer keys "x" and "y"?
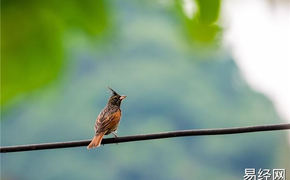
{"x": 32, "y": 32}
{"x": 32, "y": 39}
{"x": 202, "y": 28}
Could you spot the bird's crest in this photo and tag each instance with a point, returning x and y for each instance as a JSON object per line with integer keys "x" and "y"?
{"x": 114, "y": 92}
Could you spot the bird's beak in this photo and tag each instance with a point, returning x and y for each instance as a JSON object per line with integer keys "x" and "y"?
{"x": 122, "y": 97}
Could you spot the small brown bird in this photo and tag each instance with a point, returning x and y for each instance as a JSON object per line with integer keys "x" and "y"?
{"x": 108, "y": 120}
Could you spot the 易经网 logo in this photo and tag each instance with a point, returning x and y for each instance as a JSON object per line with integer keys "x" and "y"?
{"x": 264, "y": 174}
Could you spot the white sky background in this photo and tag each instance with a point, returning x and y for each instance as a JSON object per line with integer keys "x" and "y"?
{"x": 258, "y": 33}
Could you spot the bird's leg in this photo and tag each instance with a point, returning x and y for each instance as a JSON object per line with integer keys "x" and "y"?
{"x": 115, "y": 134}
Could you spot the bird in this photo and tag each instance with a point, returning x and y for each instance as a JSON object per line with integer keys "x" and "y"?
{"x": 108, "y": 120}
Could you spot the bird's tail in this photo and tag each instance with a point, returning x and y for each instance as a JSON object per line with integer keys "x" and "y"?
{"x": 96, "y": 141}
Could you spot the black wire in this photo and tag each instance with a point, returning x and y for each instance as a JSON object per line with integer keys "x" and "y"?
{"x": 197, "y": 132}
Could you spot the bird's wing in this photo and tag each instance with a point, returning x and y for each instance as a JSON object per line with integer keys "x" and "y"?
{"x": 100, "y": 119}
{"x": 107, "y": 120}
